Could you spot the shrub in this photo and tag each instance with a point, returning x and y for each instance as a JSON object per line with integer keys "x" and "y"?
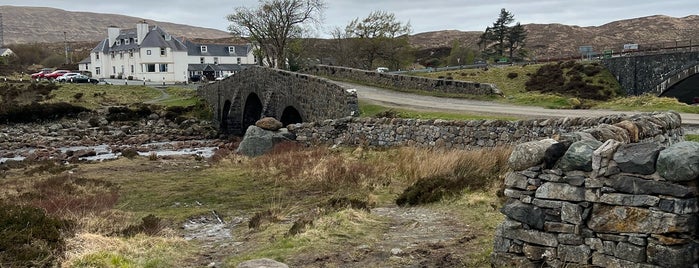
{"x": 512, "y": 75}
{"x": 150, "y": 225}
{"x": 30, "y": 238}
{"x": 37, "y": 112}
{"x": 129, "y": 153}
{"x": 78, "y": 96}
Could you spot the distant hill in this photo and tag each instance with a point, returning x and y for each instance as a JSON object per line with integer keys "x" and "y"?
{"x": 558, "y": 40}
{"x": 46, "y": 25}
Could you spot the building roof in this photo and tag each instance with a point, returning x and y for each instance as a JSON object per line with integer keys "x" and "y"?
{"x": 102, "y": 46}
{"x": 156, "y": 37}
{"x": 5, "y": 50}
{"x": 222, "y": 50}
{"x": 85, "y": 60}
{"x": 216, "y": 67}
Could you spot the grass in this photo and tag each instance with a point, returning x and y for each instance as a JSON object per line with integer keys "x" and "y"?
{"x": 180, "y": 96}
{"x": 648, "y": 103}
{"x": 96, "y": 96}
{"x": 293, "y": 183}
{"x": 692, "y": 137}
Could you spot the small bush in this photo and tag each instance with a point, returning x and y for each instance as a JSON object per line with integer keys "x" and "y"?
{"x": 129, "y": 153}
{"x": 30, "y": 238}
{"x": 390, "y": 113}
{"x": 512, "y": 75}
{"x": 37, "y": 112}
{"x": 150, "y": 225}
{"x": 78, "y": 96}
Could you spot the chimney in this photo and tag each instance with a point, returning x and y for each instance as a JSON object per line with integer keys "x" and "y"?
{"x": 141, "y": 31}
{"x": 112, "y": 33}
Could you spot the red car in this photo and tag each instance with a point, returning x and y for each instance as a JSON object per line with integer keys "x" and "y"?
{"x": 41, "y": 74}
{"x": 55, "y": 74}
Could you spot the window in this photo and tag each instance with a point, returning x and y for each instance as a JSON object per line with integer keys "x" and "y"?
{"x": 201, "y": 60}
{"x": 148, "y": 52}
{"x": 97, "y": 55}
{"x": 239, "y": 61}
{"x": 203, "y": 49}
{"x": 163, "y": 68}
{"x": 231, "y": 50}
{"x": 135, "y": 40}
{"x": 162, "y": 51}
{"x": 130, "y": 53}
{"x": 118, "y": 42}
{"x": 132, "y": 68}
{"x": 215, "y": 60}
{"x": 113, "y": 69}
{"x": 112, "y": 54}
{"x": 150, "y": 68}
{"x": 121, "y": 54}
{"x": 97, "y": 70}
{"x": 126, "y": 41}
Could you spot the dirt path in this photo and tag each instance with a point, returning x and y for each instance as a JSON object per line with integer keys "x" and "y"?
{"x": 428, "y": 103}
{"x": 163, "y": 96}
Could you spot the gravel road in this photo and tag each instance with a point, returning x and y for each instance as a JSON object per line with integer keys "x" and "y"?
{"x": 396, "y": 99}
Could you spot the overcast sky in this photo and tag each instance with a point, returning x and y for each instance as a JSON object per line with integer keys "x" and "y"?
{"x": 423, "y": 15}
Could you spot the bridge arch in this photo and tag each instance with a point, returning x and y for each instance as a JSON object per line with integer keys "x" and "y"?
{"x": 252, "y": 110}
{"x": 289, "y": 97}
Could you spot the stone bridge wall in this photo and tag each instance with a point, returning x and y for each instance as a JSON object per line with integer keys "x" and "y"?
{"x": 386, "y": 132}
{"x": 650, "y": 73}
{"x": 404, "y": 82}
{"x": 584, "y": 201}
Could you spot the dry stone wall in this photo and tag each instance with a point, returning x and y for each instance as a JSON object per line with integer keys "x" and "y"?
{"x": 404, "y": 82}
{"x": 664, "y": 128}
{"x": 583, "y": 201}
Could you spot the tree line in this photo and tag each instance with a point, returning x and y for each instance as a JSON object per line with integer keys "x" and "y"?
{"x": 281, "y": 29}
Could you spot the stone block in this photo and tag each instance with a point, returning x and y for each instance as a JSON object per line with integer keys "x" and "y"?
{"x": 613, "y": 237}
{"x": 575, "y": 254}
{"x": 594, "y": 244}
{"x": 670, "y": 241}
{"x": 630, "y": 252}
{"x": 602, "y": 260}
{"x": 679, "y": 206}
{"x": 524, "y": 213}
{"x": 551, "y": 177}
{"x": 529, "y": 236}
{"x": 618, "y": 219}
{"x": 639, "y": 186}
{"x": 629, "y": 200}
{"x": 679, "y": 162}
{"x": 529, "y": 154}
{"x": 547, "y": 203}
{"x": 673, "y": 256}
{"x": 593, "y": 183}
{"x": 501, "y": 244}
{"x": 593, "y": 195}
{"x": 571, "y": 213}
{"x": 638, "y": 158}
{"x": 570, "y": 239}
{"x": 579, "y": 156}
{"x": 560, "y": 191}
{"x": 516, "y": 194}
{"x": 516, "y": 180}
{"x": 538, "y": 253}
{"x": 557, "y": 227}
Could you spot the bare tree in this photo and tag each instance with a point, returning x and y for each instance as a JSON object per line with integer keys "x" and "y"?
{"x": 274, "y": 23}
{"x": 379, "y": 36}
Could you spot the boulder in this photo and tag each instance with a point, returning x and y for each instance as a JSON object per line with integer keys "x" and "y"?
{"x": 258, "y": 141}
{"x": 525, "y": 213}
{"x": 638, "y": 158}
{"x": 605, "y": 132}
{"x": 579, "y": 156}
{"x": 269, "y": 123}
{"x": 262, "y": 263}
{"x": 631, "y": 128}
{"x": 679, "y": 162}
{"x": 529, "y": 154}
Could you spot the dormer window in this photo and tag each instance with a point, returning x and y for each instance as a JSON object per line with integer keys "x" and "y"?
{"x": 231, "y": 50}
{"x": 126, "y": 41}
{"x": 118, "y": 42}
{"x": 203, "y": 49}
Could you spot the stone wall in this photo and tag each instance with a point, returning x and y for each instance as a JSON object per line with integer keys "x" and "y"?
{"x": 404, "y": 82}
{"x": 650, "y": 73}
{"x": 582, "y": 201}
{"x": 664, "y": 128}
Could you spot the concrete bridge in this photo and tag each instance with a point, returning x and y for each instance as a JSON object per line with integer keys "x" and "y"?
{"x": 668, "y": 74}
{"x": 240, "y": 100}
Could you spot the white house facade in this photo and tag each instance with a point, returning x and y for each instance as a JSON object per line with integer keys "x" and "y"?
{"x": 149, "y": 53}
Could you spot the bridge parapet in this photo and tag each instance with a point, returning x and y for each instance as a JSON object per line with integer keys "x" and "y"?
{"x": 653, "y": 73}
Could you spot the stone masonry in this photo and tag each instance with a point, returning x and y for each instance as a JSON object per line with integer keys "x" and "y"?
{"x": 586, "y": 201}
{"x": 404, "y": 82}
{"x": 664, "y": 128}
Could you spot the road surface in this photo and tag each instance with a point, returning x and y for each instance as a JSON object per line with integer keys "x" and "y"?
{"x": 396, "y": 99}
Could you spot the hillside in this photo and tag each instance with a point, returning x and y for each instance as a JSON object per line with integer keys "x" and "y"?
{"x": 46, "y": 25}
{"x": 558, "y": 40}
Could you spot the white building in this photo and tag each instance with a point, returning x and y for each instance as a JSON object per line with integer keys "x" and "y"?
{"x": 150, "y": 53}
{"x": 4, "y": 52}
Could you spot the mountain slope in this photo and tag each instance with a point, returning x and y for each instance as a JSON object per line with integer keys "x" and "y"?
{"x": 558, "y": 40}
{"x": 46, "y": 25}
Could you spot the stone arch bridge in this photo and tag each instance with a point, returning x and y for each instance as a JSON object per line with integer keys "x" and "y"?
{"x": 673, "y": 74}
{"x": 240, "y": 100}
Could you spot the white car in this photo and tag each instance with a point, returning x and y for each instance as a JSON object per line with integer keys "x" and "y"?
{"x": 66, "y": 77}
{"x": 224, "y": 76}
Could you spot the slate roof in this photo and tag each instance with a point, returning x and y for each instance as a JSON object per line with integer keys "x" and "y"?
{"x": 85, "y": 60}
{"x": 221, "y": 50}
{"x": 216, "y": 67}
{"x": 3, "y": 50}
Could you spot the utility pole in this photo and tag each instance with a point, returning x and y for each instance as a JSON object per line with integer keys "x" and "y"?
{"x": 65, "y": 41}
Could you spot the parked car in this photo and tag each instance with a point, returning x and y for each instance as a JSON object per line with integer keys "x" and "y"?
{"x": 195, "y": 78}
{"x": 224, "y": 76}
{"x": 41, "y": 73}
{"x": 65, "y": 77}
{"x": 83, "y": 79}
{"x": 55, "y": 74}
